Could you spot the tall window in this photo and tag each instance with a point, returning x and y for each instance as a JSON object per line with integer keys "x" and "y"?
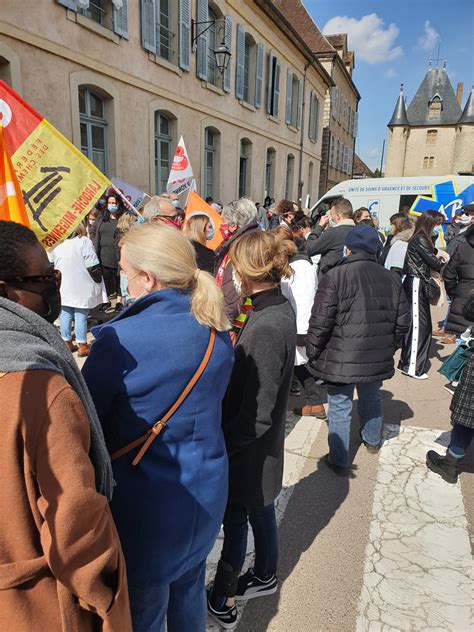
{"x": 431, "y": 136}
{"x": 290, "y": 172}
{"x": 310, "y": 179}
{"x": 270, "y": 172}
{"x": 244, "y": 167}
{"x": 163, "y": 155}
{"x": 93, "y": 127}
{"x": 428, "y": 162}
{"x": 274, "y": 70}
{"x": 99, "y": 11}
{"x": 249, "y": 69}
{"x": 313, "y": 117}
{"x": 212, "y": 72}
{"x": 164, "y": 35}
{"x": 5, "y": 71}
{"x": 435, "y": 107}
{"x": 210, "y": 161}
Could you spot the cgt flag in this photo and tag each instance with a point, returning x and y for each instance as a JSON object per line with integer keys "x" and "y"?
{"x": 59, "y": 185}
{"x": 197, "y": 206}
{"x": 181, "y": 174}
{"x": 12, "y": 207}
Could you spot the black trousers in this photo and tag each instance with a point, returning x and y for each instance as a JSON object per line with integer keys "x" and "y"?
{"x": 110, "y": 279}
{"x": 309, "y": 394}
{"x": 416, "y": 346}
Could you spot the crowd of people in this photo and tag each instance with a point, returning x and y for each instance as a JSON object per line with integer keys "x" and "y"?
{"x": 116, "y": 479}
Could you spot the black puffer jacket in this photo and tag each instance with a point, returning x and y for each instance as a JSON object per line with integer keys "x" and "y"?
{"x": 421, "y": 257}
{"x": 359, "y": 317}
{"x": 459, "y": 282}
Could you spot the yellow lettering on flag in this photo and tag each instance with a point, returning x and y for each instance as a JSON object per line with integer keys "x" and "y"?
{"x": 197, "y": 206}
{"x": 12, "y": 207}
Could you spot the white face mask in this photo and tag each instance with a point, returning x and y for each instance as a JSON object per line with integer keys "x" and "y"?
{"x": 237, "y": 282}
{"x": 332, "y": 223}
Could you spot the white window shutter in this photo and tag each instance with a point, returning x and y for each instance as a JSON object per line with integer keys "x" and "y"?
{"x": 289, "y": 96}
{"x": 276, "y": 90}
{"x": 259, "y": 75}
{"x": 69, "y": 4}
{"x": 121, "y": 20}
{"x": 228, "y": 42}
{"x": 148, "y": 9}
{"x": 239, "y": 73}
{"x": 270, "y": 82}
{"x": 333, "y": 101}
{"x": 201, "y": 62}
{"x": 184, "y": 29}
{"x": 300, "y": 104}
{"x": 311, "y": 116}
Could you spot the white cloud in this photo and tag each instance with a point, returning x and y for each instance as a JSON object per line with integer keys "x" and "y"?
{"x": 369, "y": 39}
{"x": 429, "y": 39}
{"x": 391, "y": 73}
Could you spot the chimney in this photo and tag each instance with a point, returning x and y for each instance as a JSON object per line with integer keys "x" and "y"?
{"x": 459, "y": 89}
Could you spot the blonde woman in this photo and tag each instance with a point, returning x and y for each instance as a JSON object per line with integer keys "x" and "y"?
{"x": 125, "y": 222}
{"x": 168, "y": 507}
{"x": 199, "y": 231}
{"x": 254, "y": 422}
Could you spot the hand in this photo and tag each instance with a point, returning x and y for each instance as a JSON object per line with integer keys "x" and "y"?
{"x": 324, "y": 221}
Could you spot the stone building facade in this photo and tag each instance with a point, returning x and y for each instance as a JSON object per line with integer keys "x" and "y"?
{"x": 435, "y": 134}
{"x": 125, "y": 79}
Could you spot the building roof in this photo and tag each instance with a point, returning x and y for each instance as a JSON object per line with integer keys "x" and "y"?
{"x": 399, "y": 116}
{"x": 361, "y": 169}
{"x": 296, "y": 14}
{"x": 468, "y": 112}
{"x": 435, "y": 83}
{"x": 338, "y": 40}
{"x": 349, "y": 57}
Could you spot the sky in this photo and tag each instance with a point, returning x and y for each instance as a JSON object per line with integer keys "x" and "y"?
{"x": 393, "y": 41}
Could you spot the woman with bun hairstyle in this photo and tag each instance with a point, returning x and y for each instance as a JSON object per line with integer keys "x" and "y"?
{"x": 254, "y": 415}
{"x": 171, "y": 486}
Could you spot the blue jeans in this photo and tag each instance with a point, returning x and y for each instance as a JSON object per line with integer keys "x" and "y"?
{"x": 265, "y": 533}
{"x": 182, "y": 603}
{"x": 461, "y": 437}
{"x": 79, "y": 316}
{"x": 339, "y": 418}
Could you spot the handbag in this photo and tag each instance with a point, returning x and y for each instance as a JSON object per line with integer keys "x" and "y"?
{"x": 453, "y": 366}
{"x": 96, "y": 273}
{"x": 147, "y": 439}
{"x": 443, "y": 297}
{"x": 432, "y": 289}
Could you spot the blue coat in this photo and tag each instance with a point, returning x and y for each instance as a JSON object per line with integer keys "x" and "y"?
{"x": 168, "y": 509}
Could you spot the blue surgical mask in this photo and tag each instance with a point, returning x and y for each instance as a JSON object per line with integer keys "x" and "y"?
{"x": 210, "y": 235}
{"x": 112, "y": 208}
{"x": 436, "y": 231}
{"x": 332, "y": 223}
{"x": 140, "y": 219}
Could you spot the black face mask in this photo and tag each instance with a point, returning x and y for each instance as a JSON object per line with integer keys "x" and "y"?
{"x": 52, "y": 300}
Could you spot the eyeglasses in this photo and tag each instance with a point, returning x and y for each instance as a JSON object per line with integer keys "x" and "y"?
{"x": 53, "y": 277}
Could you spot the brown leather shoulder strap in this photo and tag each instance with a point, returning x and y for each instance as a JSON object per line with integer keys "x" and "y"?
{"x": 155, "y": 430}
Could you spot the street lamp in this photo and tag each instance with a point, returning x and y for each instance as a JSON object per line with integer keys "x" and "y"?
{"x": 222, "y": 54}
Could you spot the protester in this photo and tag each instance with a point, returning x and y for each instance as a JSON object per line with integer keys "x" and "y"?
{"x": 160, "y": 208}
{"x": 462, "y": 415}
{"x": 459, "y": 282}
{"x": 272, "y": 217}
{"x": 359, "y": 318}
{"x": 199, "y": 231}
{"x": 82, "y": 287}
{"x": 361, "y": 214}
{"x": 90, "y": 222}
{"x": 286, "y": 209}
{"x": 328, "y": 237}
{"x": 168, "y": 507}
{"x": 239, "y": 218}
{"x": 62, "y": 565}
{"x": 106, "y": 247}
{"x": 126, "y": 221}
{"x": 453, "y": 229}
{"x": 99, "y": 209}
{"x": 401, "y": 232}
{"x": 466, "y": 220}
{"x": 254, "y": 418}
{"x": 300, "y": 290}
{"x": 421, "y": 259}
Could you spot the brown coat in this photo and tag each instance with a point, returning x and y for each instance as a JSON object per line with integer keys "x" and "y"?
{"x": 61, "y": 565}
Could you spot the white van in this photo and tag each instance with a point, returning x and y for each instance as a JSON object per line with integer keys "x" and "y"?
{"x": 386, "y": 196}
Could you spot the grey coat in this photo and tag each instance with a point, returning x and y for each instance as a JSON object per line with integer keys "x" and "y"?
{"x": 256, "y": 402}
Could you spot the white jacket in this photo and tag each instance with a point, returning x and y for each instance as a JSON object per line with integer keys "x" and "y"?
{"x": 300, "y": 290}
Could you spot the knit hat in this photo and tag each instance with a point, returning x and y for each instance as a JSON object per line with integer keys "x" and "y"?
{"x": 363, "y": 238}
{"x": 468, "y": 208}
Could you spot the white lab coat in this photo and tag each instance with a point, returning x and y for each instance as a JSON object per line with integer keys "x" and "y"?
{"x": 300, "y": 290}
{"x": 72, "y": 257}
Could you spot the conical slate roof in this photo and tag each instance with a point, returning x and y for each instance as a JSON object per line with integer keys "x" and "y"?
{"x": 436, "y": 83}
{"x": 468, "y": 112}
{"x": 399, "y": 116}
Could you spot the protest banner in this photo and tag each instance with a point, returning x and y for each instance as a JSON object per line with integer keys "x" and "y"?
{"x": 181, "y": 174}
{"x": 59, "y": 185}
{"x": 197, "y": 206}
{"x": 132, "y": 195}
{"x": 12, "y": 207}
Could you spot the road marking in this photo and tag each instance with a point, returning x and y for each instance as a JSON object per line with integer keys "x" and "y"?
{"x": 418, "y": 572}
{"x": 297, "y": 447}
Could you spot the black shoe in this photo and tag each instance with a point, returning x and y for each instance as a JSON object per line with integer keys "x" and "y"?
{"x": 347, "y": 472}
{"x": 250, "y": 586}
{"x": 445, "y": 466}
{"x": 226, "y": 618}
{"x": 450, "y": 388}
{"x": 372, "y": 448}
{"x": 119, "y": 307}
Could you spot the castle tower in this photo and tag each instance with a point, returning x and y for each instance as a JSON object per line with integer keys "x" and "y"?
{"x": 464, "y": 149}
{"x": 399, "y": 130}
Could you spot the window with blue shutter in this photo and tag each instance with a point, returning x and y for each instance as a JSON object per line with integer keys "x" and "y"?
{"x": 311, "y": 117}
{"x": 228, "y": 42}
{"x": 120, "y": 17}
{"x": 240, "y": 65}
{"x": 276, "y": 89}
{"x": 184, "y": 21}
{"x": 69, "y": 4}
{"x": 148, "y": 20}
{"x": 259, "y": 75}
{"x": 270, "y": 77}
{"x": 289, "y": 96}
{"x": 299, "y": 103}
{"x": 316, "y": 117}
{"x": 202, "y": 15}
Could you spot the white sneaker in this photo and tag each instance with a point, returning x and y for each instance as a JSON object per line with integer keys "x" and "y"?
{"x": 424, "y": 376}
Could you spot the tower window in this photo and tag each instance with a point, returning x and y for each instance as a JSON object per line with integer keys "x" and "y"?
{"x": 431, "y": 136}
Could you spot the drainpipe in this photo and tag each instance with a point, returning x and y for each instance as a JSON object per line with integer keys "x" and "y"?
{"x": 303, "y": 108}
